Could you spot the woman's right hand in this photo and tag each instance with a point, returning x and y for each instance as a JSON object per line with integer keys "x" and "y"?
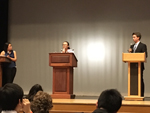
{"x": 63, "y": 51}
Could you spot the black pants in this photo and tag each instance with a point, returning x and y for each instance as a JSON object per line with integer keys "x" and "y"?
{"x": 134, "y": 76}
{"x": 142, "y": 83}
{"x": 8, "y": 75}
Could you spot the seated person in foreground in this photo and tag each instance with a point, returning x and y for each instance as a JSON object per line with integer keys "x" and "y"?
{"x": 11, "y": 99}
{"x": 109, "y": 101}
{"x": 66, "y": 48}
{"x": 34, "y": 89}
{"x": 42, "y": 103}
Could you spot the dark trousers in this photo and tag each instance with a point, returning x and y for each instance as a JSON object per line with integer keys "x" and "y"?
{"x": 8, "y": 75}
{"x": 134, "y": 79}
{"x": 142, "y": 83}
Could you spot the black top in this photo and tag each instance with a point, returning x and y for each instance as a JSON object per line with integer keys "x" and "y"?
{"x": 13, "y": 63}
{"x": 141, "y": 48}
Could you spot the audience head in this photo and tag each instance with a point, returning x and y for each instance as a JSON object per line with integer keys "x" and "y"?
{"x": 110, "y": 100}
{"x": 33, "y": 91}
{"x": 42, "y": 103}
{"x": 11, "y": 96}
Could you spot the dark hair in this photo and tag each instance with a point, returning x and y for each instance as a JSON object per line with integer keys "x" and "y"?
{"x": 42, "y": 103}
{"x": 6, "y": 46}
{"x": 10, "y": 95}
{"x": 68, "y": 44}
{"x": 34, "y": 89}
{"x": 138, "y": 34}
{"x": 110, "y": 100}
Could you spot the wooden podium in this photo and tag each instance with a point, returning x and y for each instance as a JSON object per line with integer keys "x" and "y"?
{"x": 2, "y": 60}
{"x": 134, "y": 74}
{"x": 62, "y": 64}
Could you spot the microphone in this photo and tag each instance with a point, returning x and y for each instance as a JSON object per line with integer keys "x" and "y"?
{"x": 130, "y": 49}
{"x": 131, "y": 44}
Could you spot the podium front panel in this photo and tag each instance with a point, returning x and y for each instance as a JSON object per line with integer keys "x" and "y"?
{"x": 0, "y": 75}
{"x": 62, "y": 59}
{"x": 133, "y": 57}
{"x": 63, "y": 80}
{"x": 60, "y": 79}
{"x": 133, "y": 78}
{"x": 4, "y": 59}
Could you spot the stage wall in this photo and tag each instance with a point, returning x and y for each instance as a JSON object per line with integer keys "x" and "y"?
{"x": 98, "y": 31}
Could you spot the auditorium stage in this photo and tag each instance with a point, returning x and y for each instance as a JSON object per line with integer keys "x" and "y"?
{"x": 88, "y": 105}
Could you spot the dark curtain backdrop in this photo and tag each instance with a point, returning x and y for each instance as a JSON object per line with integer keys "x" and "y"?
{"x": 3, "y": 22}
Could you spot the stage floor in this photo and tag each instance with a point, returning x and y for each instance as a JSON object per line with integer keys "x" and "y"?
{"x": 89, "y": 105}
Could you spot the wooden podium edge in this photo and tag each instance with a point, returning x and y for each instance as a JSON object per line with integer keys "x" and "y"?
{"x": 134, "y": 98}
{"x": 63, "y": 96}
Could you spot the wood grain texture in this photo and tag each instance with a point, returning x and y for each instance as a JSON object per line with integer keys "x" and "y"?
{"x": 62, "y": 74}
{"x": 89, "y": 105}
{"x": 3, "y": 59}
{"x": 134, "y": 75}
{"x": 133, "y": 57}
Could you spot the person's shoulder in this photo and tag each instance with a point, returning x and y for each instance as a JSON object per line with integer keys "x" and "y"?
{"x": 70, "y": 51}
{"x": 142, "y": 43}
{"x": 99, "y": 111}
{"x": 2, "y": 53}
{"x": 14, "y": 51}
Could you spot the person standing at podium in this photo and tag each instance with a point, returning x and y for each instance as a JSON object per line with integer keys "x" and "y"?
{"x": 9, "y": 70}
{"x": 139, "y": 47}
{"x": 66, "y": 48}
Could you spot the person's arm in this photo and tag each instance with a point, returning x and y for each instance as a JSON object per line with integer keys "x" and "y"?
{"x": 130, "y": 49}
{"x": 2, "y": 53}
{"x": 15, "y": 57}
{"x": 63, "y": 50}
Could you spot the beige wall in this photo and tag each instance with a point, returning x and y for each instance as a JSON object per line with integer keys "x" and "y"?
{"x": 93, "y": 28}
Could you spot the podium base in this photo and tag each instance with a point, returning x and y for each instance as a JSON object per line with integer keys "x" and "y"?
{"x": 130, "y": 98}
{"x": 63, "y": 96}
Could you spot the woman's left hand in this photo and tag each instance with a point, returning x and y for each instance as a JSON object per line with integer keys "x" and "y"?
{"x": 8, "y": 57}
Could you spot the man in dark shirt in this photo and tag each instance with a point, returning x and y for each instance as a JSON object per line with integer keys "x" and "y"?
{"x": 109, "y": 101}
{"x": 139, "y": 47}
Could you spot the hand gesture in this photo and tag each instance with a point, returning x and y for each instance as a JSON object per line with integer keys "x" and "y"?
{"x": 63, "y": 51}
{"x": 26, "y": 106}
{"x": 130, "y": 50}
